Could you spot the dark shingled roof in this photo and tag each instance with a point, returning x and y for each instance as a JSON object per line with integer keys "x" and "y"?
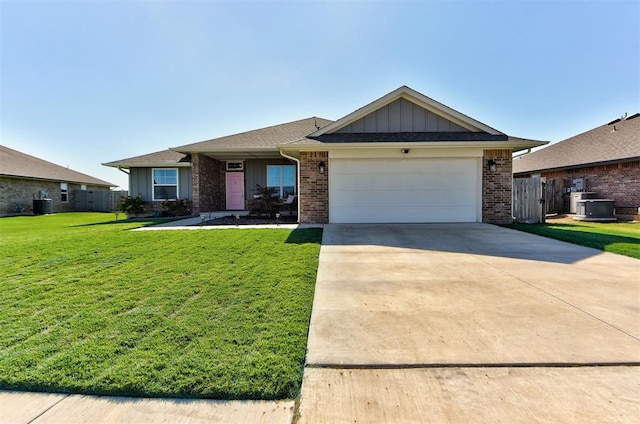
{"x": 616, "y": 141}
{"x": 17, "y": 164}
{"x": 166, "y": 157}
{"x": 264, "y": 138}
{"x": 408, "y": 137}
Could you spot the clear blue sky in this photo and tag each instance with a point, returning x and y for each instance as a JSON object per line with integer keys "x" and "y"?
{"x": 86, "y": 82}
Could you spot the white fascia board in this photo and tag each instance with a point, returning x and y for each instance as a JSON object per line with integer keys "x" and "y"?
{"x": 414, "y": 97}
{"x": 515, "y": 145}
{"x": 414, "y": 153}
{"x": 129, "y": 165}
{"x": 226, "y": 150}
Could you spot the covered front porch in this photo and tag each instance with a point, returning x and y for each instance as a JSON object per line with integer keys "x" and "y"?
{"x": 225, "y": 183}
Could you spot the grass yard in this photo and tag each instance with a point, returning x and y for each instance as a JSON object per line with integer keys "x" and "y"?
{"x": 89, "y": 307}
{"x": 615, "y": 237}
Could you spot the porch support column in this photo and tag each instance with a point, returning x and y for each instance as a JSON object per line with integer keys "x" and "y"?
{"x": 497, "y": 186}
{"x": 208, "y": 184}
{"x": 314, "y": 188}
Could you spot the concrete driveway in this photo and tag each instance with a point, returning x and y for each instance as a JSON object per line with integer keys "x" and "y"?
{"x": 470, "y": 322}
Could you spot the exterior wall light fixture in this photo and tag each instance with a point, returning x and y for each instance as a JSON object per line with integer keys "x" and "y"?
{"x": 405, "y": 151}
{"x": 321, "y": 167}
{"x": 493, "y": 166}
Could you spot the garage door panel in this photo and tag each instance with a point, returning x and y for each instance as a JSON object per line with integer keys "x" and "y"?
{"x": 403, "y": 198}
{"x": 384, "y": 214}
{"x": 350, "y": 182}
{"x": 404, "y": 190}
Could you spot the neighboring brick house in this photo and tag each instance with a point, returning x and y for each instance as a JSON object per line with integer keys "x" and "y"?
{"x": 402, "y": 158}
{"x": 24, "y": 178}
{"x": 606, "y": 159}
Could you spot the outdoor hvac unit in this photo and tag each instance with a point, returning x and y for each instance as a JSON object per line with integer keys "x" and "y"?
{"x": 42, "y": 207}
{"x": 595, "y": 210}
{"x": 577, "y": 196}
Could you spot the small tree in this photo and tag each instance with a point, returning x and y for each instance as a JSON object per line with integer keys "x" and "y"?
{"x": 265, "y": 202}
{"x": 132, "y": 205}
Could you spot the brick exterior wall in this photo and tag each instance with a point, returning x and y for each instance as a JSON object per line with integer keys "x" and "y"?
{"x": 22, "y": 191}
{"x": 618, "y": 181}
{"x": 314, "y": 188}
{"x": 496, "y": 187}
{"x": 208, "y": 184}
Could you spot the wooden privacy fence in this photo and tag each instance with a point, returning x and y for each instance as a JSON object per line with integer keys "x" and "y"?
{"x": 97, "y": 200}
{"x": 534, "y": 198}
{"x": 553, "y": 196}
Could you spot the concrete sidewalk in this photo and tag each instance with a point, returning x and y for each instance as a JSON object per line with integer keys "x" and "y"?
{"x": 44, "y": 408}
{"x": 470, "y": 322}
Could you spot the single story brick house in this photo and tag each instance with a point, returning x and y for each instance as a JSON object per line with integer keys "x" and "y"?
{"x": 24, "y": 178}
{"x": 604, "y": 160}
{"x": 402, "y": 158}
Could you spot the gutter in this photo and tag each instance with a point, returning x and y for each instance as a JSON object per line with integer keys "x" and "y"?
{"x": 283, "y": 154}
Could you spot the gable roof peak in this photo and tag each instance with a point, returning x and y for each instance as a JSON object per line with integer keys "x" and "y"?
{"x": 417, "y": 98}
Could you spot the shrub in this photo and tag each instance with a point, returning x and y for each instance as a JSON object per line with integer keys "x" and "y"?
{"x": 132, "y": 205}
{"x": 265, "y": 202}
{"x": 177, "y": 207}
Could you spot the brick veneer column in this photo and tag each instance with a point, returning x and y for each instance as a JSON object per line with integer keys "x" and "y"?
{"x": 314, "y": 188}
{"x": 208, "y": 183}
{"x": 496, "y": 187}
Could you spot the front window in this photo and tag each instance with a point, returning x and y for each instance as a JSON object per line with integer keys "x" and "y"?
{"x": 165, "y": 184}
{"x": 64, "y": 192}
{"x": 282, "y": 178}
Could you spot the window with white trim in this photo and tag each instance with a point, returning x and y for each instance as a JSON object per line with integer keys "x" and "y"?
{"x": 282, "y": 178}
{"x": 165, "y": 183}
{"x": 64, "y": 192}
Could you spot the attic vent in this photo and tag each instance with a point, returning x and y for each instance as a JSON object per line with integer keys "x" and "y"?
{"x": 633, "y": 116}
{"x": 614, "y": 121}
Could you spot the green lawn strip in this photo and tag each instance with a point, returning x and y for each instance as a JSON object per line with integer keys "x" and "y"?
{"x": 101, "y": 310}
{"x": 620, "y": 238}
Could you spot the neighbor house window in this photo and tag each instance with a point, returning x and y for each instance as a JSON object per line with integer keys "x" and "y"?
{"x": 282, "y": 178}
{"x": 165, "y": 184}
{"x": 64, "y": 192}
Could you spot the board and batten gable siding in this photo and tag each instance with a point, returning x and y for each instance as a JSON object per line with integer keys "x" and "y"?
{"x": 140, "y": 183}
{"x": 256, "y": 173}
{"x": 401, "y": 116}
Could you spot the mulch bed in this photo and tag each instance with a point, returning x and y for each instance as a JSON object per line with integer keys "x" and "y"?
{"x": 252, "y": 220}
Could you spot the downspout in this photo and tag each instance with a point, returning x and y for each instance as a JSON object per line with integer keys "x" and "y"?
{"x": 283, "y": 154}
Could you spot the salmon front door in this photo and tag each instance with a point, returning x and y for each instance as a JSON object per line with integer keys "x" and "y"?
{"x": 235, "y": 191}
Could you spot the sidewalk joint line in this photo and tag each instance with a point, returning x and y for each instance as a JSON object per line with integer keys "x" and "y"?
{"x": 48, "y": 409}
{"x": 473, "y": 365}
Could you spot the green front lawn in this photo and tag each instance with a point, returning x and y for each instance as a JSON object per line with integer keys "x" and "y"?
{"x": 89, "y": 307}
{"x": 619, "y": 237}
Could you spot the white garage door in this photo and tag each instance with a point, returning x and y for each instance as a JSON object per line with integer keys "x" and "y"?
{"x": 404, "y": 190}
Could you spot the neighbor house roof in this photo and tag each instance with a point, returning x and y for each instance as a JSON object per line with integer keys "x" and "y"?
{"x": 616, "y": 141}
{"x": 162, "y": 158}
{"x": 262, "y": 139}
{"x": 21, "y": 165}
